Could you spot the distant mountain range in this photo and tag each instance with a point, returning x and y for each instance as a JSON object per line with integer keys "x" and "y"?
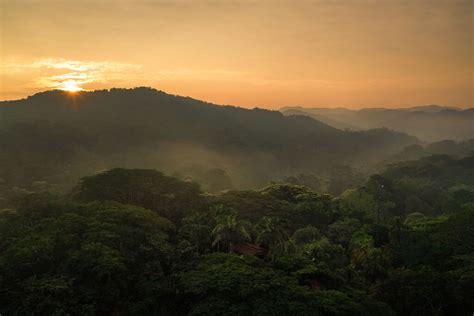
{"x": 57, "y": 136}
{"x": 428, "y": 122}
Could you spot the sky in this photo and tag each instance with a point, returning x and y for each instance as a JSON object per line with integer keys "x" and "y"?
{"x": 352, "y": 53}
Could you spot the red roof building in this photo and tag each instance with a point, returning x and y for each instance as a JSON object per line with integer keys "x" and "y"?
{"x": 249, "y": 250}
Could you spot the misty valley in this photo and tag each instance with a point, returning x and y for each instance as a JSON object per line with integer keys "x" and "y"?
{"x": 139, "y": 202}
{"x": 236, "y": 157}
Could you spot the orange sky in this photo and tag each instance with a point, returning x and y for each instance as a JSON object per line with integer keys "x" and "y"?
{"x": 359, "y": 53}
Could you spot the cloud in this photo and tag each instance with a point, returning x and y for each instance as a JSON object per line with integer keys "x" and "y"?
{"x": 53, "y": 73}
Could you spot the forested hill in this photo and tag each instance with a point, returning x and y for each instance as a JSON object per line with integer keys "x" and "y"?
{"x": 57, "y": 137}
{"x": 429, "y": 123}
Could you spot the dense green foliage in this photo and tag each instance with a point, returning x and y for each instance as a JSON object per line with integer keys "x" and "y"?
{"x": 134, "y": 241}
{"x": 82, "y": 259}
{"x": 150, "y": 189}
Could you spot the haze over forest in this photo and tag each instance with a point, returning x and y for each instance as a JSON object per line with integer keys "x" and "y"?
{"x": 428, "y": 122}
{"x": 236, "y": 157}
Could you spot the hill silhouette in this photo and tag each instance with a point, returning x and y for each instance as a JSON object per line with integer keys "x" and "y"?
{"x": 57, "y": 137}
{"x": 428, "y": 123}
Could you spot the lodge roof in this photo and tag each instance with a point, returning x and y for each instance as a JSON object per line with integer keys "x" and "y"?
{"x": 249, "y": 249}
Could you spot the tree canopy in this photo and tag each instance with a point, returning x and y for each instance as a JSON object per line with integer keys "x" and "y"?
{"x": 134, "y": 241}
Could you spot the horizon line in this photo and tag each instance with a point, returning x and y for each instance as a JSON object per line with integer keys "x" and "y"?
{"x": 356, "y": 108}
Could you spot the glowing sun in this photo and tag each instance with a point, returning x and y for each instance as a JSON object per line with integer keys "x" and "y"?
{"x": 70, "y": 86}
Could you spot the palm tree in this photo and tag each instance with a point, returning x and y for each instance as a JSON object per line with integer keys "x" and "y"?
{"x": 229, "y": 229}
{"x": 195, "y": 229}
{"x": 371, "y": 261}
{"x": 272, "y": 233}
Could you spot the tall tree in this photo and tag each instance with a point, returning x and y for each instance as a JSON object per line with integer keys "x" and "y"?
{"x": 229, "y": 230}
{"x": 151, "y": 189}
{"x": 272, "y": 233}
{"x": 196, "y": 229}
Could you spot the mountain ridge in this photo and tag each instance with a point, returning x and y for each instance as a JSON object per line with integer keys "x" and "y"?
{"x": 429, "y": 123}
{"x": 67, "y": 135}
